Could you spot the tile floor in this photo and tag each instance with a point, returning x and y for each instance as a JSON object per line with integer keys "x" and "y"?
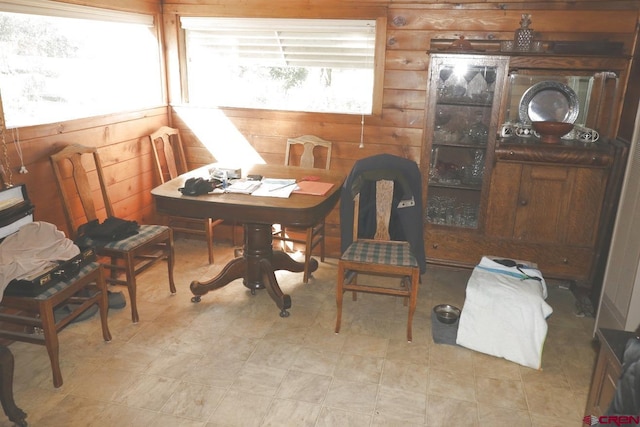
{"x": 230, "y": 360}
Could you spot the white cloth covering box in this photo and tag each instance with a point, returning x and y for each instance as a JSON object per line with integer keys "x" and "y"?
{"x": 504, "y": 312}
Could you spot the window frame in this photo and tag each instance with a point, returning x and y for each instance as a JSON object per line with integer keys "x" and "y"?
{"x": 378, "y": 64}
{"x": 56, "y": 9}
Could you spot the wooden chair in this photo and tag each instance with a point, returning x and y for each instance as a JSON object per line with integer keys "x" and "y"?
{"x": 379, "y": 256}
{"x": 130, "y": 256}
{"x": 15, "y": 414}
{"x": 166, "y": 143}
{"x": 313, "y": 236}
{"x": 80, "y": 292}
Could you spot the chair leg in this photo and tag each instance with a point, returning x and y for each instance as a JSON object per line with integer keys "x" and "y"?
{"x": 171, "y": 262}
{"x": 103, "y": 305}
{"x": 307, "y": 255}
{"x": 51, "y": 340}
{"x": 132, "y": 286}
{"x": 14, "y": 413}
{"x": 322, "y": 242}
{"x": 339, "y": 296}
{"x": 413, "y": 299}
{"x": 208, "y": 229}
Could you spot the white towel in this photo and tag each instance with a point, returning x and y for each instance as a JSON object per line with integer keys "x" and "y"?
{"x": 503, "y": 315}
{"x": 31, "y": 249}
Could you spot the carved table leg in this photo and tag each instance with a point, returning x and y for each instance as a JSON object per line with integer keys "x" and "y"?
{"x": 232, "y": 271}
{"x": 14, "y": 413}
{"x": 256, "y": 267}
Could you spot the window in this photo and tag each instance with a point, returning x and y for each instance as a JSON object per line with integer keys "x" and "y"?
{"x": 60, "y": 62}
{"x": 316, "y": 65}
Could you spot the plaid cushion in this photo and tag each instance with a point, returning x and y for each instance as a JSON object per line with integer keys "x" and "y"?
{"x": 145, "y": 232}
{"x": 86, "y": 269}
{"x": 380, "y": 252}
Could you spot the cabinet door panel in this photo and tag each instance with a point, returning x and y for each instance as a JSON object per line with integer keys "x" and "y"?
{"x": 586, "y": 204}
{"x": 542, "y": 204}
{"x": 503, "y": 199}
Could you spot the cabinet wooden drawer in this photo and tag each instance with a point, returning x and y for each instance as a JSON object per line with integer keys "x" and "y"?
{"x": 560, "y": 262}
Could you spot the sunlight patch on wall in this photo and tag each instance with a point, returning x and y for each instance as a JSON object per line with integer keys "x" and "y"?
{"x": 220, "y": 136}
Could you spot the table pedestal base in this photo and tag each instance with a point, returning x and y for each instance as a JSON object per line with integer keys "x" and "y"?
{"x": 256, "y": 267}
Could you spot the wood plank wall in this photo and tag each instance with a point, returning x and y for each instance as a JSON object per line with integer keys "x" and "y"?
{"x": 410, "y": 29}
{"x": 121, "y": 138}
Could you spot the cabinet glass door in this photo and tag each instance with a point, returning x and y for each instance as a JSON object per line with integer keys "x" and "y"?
{"x": 461, "y": 126}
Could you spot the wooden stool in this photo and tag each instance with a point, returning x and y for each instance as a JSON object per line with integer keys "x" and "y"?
{"x": 14, "y": 413}
{"x": 81, "y": 291}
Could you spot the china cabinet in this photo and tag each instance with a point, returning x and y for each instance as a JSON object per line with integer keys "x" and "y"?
{"x": 462, "y": 114}
{"x": 493, "y": 186}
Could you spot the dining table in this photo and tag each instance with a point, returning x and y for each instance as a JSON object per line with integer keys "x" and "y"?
{"x": 259, "y": 261}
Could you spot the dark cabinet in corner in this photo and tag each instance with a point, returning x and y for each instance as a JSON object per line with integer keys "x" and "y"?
{"x": 543, "y": 202}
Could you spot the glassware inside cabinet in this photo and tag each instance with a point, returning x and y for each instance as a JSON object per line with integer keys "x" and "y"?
{"x": 460, "y": 132}
{"x": 460, "y": 210}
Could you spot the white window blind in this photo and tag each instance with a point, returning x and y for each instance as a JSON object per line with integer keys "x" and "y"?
{"x": 65, "y": 10}
{"x": 328, "y": 43}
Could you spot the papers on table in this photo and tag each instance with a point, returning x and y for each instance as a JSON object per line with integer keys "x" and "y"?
{"x": 275, "y": 187}
{"x": 278, "y": 187}
{"x": 243, "y": 187}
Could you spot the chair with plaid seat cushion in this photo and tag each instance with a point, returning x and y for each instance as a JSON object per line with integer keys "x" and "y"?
{"x": 131, "y": 255}
{"x": 78, "y": 293}
{"x": 379, "y": 260}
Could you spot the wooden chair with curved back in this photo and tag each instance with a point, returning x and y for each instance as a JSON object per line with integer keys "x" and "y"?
{"x": 170, "y": 162}
{"x": 83, "y": 202}
{"x": 382, "y": 254}
{"x": 313, "y": 236}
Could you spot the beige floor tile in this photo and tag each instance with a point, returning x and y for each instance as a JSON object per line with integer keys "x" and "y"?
{"x": 485, "y": 365}
{"x": 173, "y": 364}
{"x": 331, "y": 417}
{"x": 501, "y": 393}
{"x": 212, "y": 371}
{"x": 231, "y": 360}
{"x": 352, "y": 396}
{"x": 71, "y": 411}
{"x": 451, "y": 358}
{"x": 451, "y": 384}
{"x": 274, "y": 354}
{"x": 405, "y": 376}
{"x": 293, "y": 413}
{"x": 502, "y": 417}
{"x": 550, "y": 400}
{"x": 303, "y": 386}
{"x": 401, "y": 404}
{"x": 259, "y": 379}
{"x": 240, "y": 409}
{"x": 316, "y": 361}
{"x": 359, "y": 368}
{"x": 194, "y": 401}
{"x": 365, "y": 345}
{"x": 148, "y": 392}
{"x": 102, "y": 384}
{"x": 446, "y": 411}
{"x": 120, "y": 415}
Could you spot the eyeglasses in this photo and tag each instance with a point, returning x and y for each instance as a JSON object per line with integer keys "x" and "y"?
{"x": 519, "y": 267}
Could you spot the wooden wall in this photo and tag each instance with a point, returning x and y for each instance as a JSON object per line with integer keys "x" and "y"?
{"x": 121, "y": 138}
{"x": 411, "y": 27}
